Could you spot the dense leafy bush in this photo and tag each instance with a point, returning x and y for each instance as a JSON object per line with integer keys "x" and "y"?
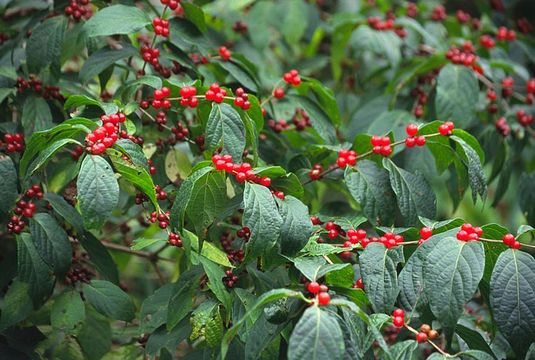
{"x": 266, "y": 179}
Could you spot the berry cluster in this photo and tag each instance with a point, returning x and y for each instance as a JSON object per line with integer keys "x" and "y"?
{"x": 78, "y": 272}
{"x": 389, "y": 240}
{"x": 438, "y": 13}
{"x": 150, "y": 55}
{"x": 464, "y": 55}
{"x": 187, "y": 94}
{"x": 161, "y": 27}
{"x": 160, "y": 100}
{"x": 379, "y": 25}
{"x": 161, "y": 119}
{"x": 321, "y": 292}
{"x": 163, "y": 219}
{"x": 413, "y": 140}
{"x": 346, "y": 157}
{"x": 13, "y": 142}
{"x": 446, "y": 128}
{"x": 509, "y": 240}
{"x": 502, "y": 126}
{"x": 504, "y": 34}
{"x": 215, "y": 93}
{"x": 233, "y": 255}
{"x": 412, "y": 10}
{"x": 25, "y": 207}
{"x": 171, "y": 4}
{"x": 78, "y": 9}
{"x": 426, "y": 333}
{"x": 487, "y": 41}
{"x": 242, "y": 99}
{"x": 315, "y": 173}
{"x": 301, "y": 120}
{"x": 47, "y": 91}
{"x": 104, "y": 136}
{"x": 152, "y": 168}
{"x": 240, "y": 27}
{"x": 244, "y": 233}
{"x": 225, "y": 53}
{"x": 277, "y": 126}
{"x": 462, "y": 17}
{"x": 523, "y": 118}
{"x": 425, "y": 233}
{"x": 77, "y": 152}
{"x": 230, "y": 279}
{"x": 160, "y": 193}
{"x": 381, "y": 145}
{"x": 242, "y": 172}
{"x": 292, "y": 77}
{"x": 469, "y": 233}
{"x": 180, "y": 133}
{"x": 398, "y": 318}
{"x": 333, "y": 230}
{"x": 174, "y": 239}
{"x": 507, "y": 86}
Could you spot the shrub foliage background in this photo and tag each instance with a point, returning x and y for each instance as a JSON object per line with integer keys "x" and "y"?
{"x": 267, "y": 179}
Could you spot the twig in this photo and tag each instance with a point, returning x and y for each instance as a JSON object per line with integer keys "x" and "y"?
{"x": 148, "y": 255}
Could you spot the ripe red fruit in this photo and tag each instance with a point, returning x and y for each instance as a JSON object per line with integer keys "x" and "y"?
{"x": 421, "y": 337}
{"x": 278, "y": 93}
{"x": 323, "y": 288}
{"x": 398, "y": 321}
{"x": 508, "y": 239}
{"x": 398, "y": 313}
{"x": 412, "y": 130}
{"x": 324, "y": 298}
{"x": 426, "y": 233}
{"x": 313, "y": 287}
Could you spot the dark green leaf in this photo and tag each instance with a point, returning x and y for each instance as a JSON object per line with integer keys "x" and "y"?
{"x": 100, "y": 257}
{"x": 473, "y": 339}
{"x": 195, "y": 15}
{"x": 109, "y": 300}
{"x": 526, "y": 199}
{"x": 68, "y": 311}
{"x": 318, "y": 118}
{"x": 45, "y": 43}
{"x": 46, "y": 154}
{"x": 511, "y": 297}
{"x": 316, "y": 335}
{"x": 154, "y": 309}
{"x": 75, "y": 101}
{"x": 378, "y": 271}
{"x": 296, "y": 226}
{"x": 98, "y": 191}
{"x": 116, "y": 19}
{"x": 51, "y": 242}
{"x": 36, "y": 115}
{"x": 181, "y": 301}
{"x": 8, "y": 185}
{"x": 16, "y": 305}
{"x": 66, "y": 211}
{"x": 225, "y": 127}
{"x": 476, "y": 176}
{"x": 95, "y": 336}
{"x": 102, "y": 59}
{"x": 262, "y": 217}
{"x": 370, "y": 186}
{"x": 215, "y": 281}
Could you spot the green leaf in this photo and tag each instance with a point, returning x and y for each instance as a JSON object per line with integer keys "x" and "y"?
{"x": 46, "y": 154}
{"x": 378, "y": 271}
{"x": 207, "y": 201}
{"x": 325, "y": 96}
{"x": 195, "y": 15}
{"x": 181, "y": 301}
{"x": 316, "y": 335}
{"x": 318, "y": 118}
{"x": 98, "y": 191}
{"x": 457, "y": 95}
{"x": 295, "y": 21}
{"x": 215, "y": 275}
{"x": 66, "y": 211}
{"x": 183, "y": 198}
{"x": 225, "y": 127}
{"x": 16, "y": 305}
{"x": 135, "y": 174}
{"x": 8, "y": 185}
{"x": 103, "y": 58}
{"x": 452, "y": 273}
{"x": 512, "y": 289}
{"x": 213, "y": 253}
{"x": 161, "y": 339}
{"x": 52, "y": 242}
{"x": 296, "y": 227}
{"x": 370, "y": 186}
{"x": 141, "y": 243}
{"x": 238, "y": 70}
{"x": 68, "y": 311}
{"x": 154, "y": 309}
{"x": 381, "y": 43}
{"x": 262, "y": 217}
{"x": 403, "y": 350}
{"x": 476, "y": 176}
{"x": 414, "y": 195}
{"x": 45, "y": 43}
{"x": 36, "y": 115}
{"x": 109, "y": 300}
{"x": 75, "y": 101}
{"x": 473, "y": 339}
{"x": 116, "y": 19}
{"x": 526, "y": 198}
{"x": 315, "y": 267}
{"x": 95, "y": 336}
{"x": 100, "y": 257}
{"x": 33, "y": 270}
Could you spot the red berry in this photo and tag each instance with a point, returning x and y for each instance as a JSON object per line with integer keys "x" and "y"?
{"x": 421, "y": 337}
{"x": 508, "y": 239}
{"x": 412, "y": 130}
{"x": 398, "y": 313}
{"x": 426, "y": 233}
{"x": 324, "y": 298}
{"x": 278, "y": 93}
{"x": 313, "y": 287}
{"x": 398, "y": 321}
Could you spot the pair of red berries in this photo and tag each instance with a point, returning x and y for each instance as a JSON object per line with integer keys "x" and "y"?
{"x": 163, "y": 219}
{"x": 469, "y": 233}
{"x": 398, "y": 318}
{"x": 321, "y": 292}
{"x": 425, "y": 233}
{"x": 504, "y": 34}
{"x": 225, "y": 53}
{"x": 14, "y": 142}
{"x": 160, "y": 100}
{"x": 346, "y": 158}
{"x": 523, "y": 118}
{"x": 487, "y": 41}
{"x": 215, "y": 93}
{"x": 413, "y": 140}
{"x": 161, "y": 27}
{"x": 150, "y": 55}
{"x": 446, "y": 128}
{"x": 187, "y": 94}
{"x": 381, "y": 145}
{"x": 315, "y": 172}
{"x": 104, "y": 136}
{"x": 509, "y": 240}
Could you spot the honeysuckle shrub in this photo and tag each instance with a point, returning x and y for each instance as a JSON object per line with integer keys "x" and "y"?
{"x": 267, "y": 179}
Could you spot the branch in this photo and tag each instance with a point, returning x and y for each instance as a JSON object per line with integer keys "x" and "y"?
{"x": 145, "y": 254}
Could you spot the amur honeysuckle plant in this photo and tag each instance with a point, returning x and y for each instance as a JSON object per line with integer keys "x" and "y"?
{"x": 266, "y": 179}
